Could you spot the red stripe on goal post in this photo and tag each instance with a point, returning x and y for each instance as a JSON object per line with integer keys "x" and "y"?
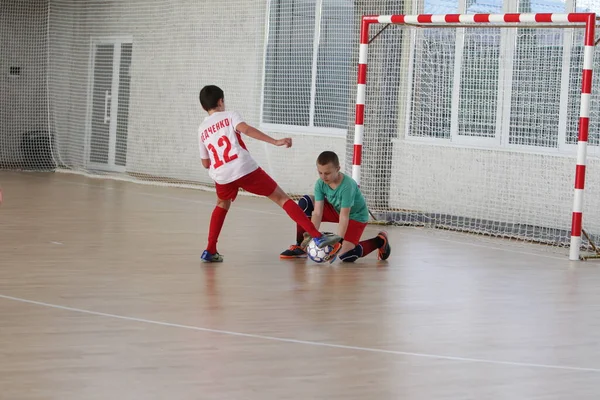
{"x": 586, "y": 81}
{"x": 357, "y": 157}
{"x": 483, "y": 18}
{"x": 397, "y": 19}
{"x": 576, "y": 224}
{"x": 590, "y": 29}
{"x": 424, "y": 18}
{"x": 584, "y": 127}
{"x": 360, "y": 114}
{"x": 543, "y": 17}
{"x": 512, "y": 17}
{"x": 362, "y": 74}
{"x": 580, "y": 177}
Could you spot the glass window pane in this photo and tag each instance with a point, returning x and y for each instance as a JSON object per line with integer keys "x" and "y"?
{"x": 537, "y": 68}
{"x": 433, "y": 75}
{"x": 336, "y": 45}
{"x": 289, "y": 62}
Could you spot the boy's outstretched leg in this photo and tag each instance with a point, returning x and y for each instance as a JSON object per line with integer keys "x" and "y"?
{"x": 297, "y": 214}
{"x": 217, "y": 220}
{"x": 307, "y": 205}
{"x": 296, "y": 251}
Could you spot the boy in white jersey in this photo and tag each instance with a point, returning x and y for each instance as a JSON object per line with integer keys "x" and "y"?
{"x": 232, "y": 167}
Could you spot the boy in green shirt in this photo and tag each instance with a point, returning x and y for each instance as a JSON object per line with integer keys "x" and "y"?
{"x": 337, "y": 198}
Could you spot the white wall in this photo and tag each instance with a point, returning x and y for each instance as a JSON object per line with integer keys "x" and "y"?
{"x": 498, "y": 185}
{"x": 178, "y": 47}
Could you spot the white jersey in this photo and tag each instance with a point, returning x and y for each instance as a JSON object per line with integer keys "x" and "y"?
{"x": 223, "y": 144}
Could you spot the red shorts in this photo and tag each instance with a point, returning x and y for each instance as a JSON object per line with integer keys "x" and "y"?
{"x": 257, "y": 182}
{"x": 355, "y": 228}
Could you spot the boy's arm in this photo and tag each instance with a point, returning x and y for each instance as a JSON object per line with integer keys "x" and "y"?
{"x": 317, "y": 214}
{"x": 259, "y": 135}
{"x": 345, "y": 207}
{"x": 344, "y": 221}
{"x": 204, "y": 155}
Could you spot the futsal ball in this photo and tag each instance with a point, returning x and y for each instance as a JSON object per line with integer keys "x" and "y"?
{"x": 316, "y": 254}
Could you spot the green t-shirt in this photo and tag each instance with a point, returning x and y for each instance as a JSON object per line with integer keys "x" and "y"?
{"x": 347, "y": 194}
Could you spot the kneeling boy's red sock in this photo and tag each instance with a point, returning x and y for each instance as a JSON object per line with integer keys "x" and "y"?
{"x": 295, "y": 212}
{"x": 216, "y": 223}
{"x": 371, "y": 244}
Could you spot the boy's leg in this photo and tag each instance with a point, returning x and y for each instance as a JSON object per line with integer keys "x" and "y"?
{"x": 366, "y": 247}
{"x": 351, "y": 249}
{"x": 379, "y": 242}
{"x": 225, "y": 195}
{"x": 295, "y": 212}
{"x": 217, "y": 219}
{"x": 329, "y": 215}
{"x": 347, "y": 252}
{"x": 260, "y": 183}
{"x": 307, "y": 205}
{"x": 296, "y": 251}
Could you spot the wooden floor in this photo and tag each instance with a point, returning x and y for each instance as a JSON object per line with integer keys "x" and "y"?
{"x": 102, "y": 296}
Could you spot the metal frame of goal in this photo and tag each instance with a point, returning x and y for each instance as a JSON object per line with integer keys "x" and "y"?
{"x": 569, "y": 20}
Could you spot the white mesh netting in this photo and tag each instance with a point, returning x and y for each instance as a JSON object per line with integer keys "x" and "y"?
{"x": 474, "y": 129}
{"x": 470, "y": 129}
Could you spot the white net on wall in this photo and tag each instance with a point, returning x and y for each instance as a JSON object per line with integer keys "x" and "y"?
{"x": 465, "y": 129}
{"x": 123, "y": 77}
{"x": 24, "y": 140}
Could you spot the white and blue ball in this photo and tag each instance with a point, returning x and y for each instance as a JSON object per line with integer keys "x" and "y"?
{"x": 316, "y": 254}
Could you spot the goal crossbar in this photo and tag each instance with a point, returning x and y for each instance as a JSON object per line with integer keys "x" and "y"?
{"x": 586, "y": 21}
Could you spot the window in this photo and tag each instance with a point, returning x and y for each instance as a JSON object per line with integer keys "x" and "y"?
{"x": 308, "y": 56}
{"x": 433, "y": 77}
{"x": 491, "y": 86}
{"x": 575, "y": 83}
{"x": 536, "y": 80}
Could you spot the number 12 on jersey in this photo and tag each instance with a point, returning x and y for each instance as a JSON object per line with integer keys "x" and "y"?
{"x": 225, "y": 145}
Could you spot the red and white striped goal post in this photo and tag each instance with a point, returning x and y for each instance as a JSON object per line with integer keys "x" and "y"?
{"x": 583, "y": 20}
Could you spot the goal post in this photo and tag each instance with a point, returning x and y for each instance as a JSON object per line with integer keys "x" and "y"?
{"x": 585, "y": 21}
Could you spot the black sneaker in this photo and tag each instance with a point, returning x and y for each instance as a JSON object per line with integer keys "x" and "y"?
{"x": 384, "y": 251}
{"x": 294, "y": 251}
{"x": 211, "y": 258}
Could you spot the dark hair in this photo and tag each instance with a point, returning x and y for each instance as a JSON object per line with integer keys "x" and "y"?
{"x": 210, "y": 96}
{"x": 327, "y": 157}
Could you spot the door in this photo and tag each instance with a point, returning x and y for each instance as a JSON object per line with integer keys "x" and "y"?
{"x": 109, "y": 116}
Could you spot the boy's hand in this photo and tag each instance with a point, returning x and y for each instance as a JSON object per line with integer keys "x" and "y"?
{"x": 287, "y": 142}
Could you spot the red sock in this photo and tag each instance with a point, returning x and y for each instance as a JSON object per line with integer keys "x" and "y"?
{"x": 299, "y": 234}
{"x": 216, "y": 223}
{"x": 295, "y": 212}
{"x": 370, "y": 245}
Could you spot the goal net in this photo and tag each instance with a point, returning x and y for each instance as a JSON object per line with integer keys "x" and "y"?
{"x": 480, "y": 123}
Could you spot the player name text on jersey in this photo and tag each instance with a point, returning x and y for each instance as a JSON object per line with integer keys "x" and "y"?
{"x": 214, "y": 128}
